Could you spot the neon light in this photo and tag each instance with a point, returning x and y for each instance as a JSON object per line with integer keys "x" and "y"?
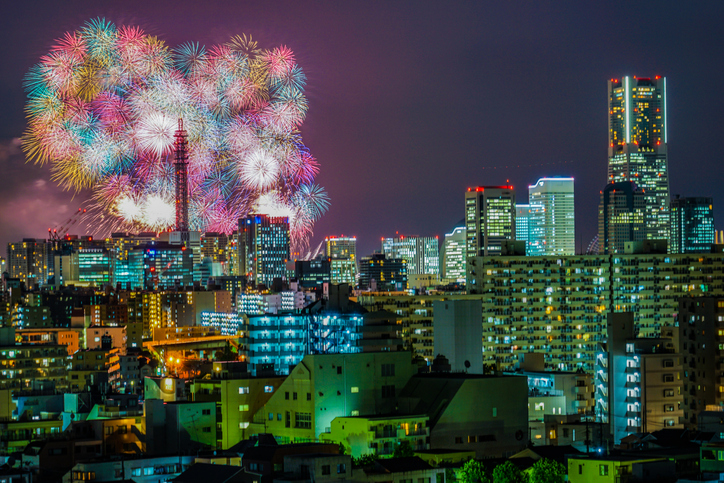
{"x": 628, "y": 114}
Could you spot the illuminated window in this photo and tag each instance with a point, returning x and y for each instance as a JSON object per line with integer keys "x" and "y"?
{"x": 354, "y": 389}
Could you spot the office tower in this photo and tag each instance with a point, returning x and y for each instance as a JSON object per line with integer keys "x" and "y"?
{"x": 489, "y": 219}
{"x": 379, "y": 273}
{"x": 637, "y": 147}
{"x": 312, "y": 273}
{"x": 621, "y": 216}
{"x": 28, "y": 261}
{"x": 551, "y": 222}
{"x": 421, "y": 253}
{"x": 453, "y": 256}
{"x": 459, "y": 334}
{"x": 692, "y": 225}
{"x": 342, "y": 254}
{"x": 160, "y": 265}
{"x": 263, "y": 248}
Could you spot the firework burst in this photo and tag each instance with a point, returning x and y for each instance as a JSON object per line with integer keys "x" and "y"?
{"x": 103, "y": 106}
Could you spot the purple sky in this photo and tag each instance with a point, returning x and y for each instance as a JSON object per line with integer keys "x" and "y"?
{"x": 412, "y": 102}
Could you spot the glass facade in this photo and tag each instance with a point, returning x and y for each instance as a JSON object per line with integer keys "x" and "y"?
{"x": 453, "y": 257}
{"x": 489, "y": 219}
{"x": 552, "y": 224}
{"x": 692, "y": 225}
{"x": 421, "y": 253}
{"x": 263, "y": 248}
{"x": 637, "y": 148}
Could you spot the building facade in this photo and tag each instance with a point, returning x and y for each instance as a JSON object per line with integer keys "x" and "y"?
{"x": 263, "y": 248}
{"x": 552, "y": 220}
{"x": 453, "y": 256}
{"x": 421, "y": 253}
{"x": 489, "y": 219}
{"x": 621, "y": 216}
{"x": 692, "y": 225}
{"x": 637, "y": 148}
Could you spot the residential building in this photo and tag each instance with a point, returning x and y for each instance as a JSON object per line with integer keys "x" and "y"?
{"x": 700, "y": 334}
{"x": 238, "y": 397}
{"x": 489, "y": 219}
{"x": 378, "y": 435}
{"x": 557, "y": 305}
{"x": 263, "y": 248}
{"x": 614, "y": 469}
{"x": 638, "y": 145}
{"x": 148, "y": 469}
{"x": 552, "y": 223}
{"x": 175, "y": 426}
{"x": 25, "y": 366}
{"x": 87, "y": 368}
{"x": 692, "y": 225}
{"x": 487, "y": 414}
{"x": 325, "y": 386}
{"x": 638, "y": 381}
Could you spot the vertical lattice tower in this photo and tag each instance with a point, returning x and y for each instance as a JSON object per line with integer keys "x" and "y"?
{"x": 182, "y": 184}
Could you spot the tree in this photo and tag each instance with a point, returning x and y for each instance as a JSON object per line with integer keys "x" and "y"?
{"x": 365, "y": 459}
{"x": 547, "y": 471}
{"x": 403, "y": 450}
{"x": 508, "y": 473}
{"x": 474, "y": 472}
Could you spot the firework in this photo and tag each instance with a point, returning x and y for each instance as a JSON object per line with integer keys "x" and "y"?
{"x": 103, "y": 106}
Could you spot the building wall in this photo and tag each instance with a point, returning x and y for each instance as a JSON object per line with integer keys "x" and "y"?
{"x": 492, "y": 407}
{"x": 459, "y": 333}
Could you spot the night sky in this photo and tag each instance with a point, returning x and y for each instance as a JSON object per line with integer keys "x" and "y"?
{"x": 412, "y": 102}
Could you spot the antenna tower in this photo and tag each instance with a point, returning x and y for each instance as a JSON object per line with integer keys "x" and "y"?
{"x": 182, "y": 184}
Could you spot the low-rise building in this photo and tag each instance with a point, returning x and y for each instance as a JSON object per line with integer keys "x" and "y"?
{"x": 378, "y": 435}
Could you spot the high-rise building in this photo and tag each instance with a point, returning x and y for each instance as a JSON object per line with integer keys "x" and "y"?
{"x": 342, "y": 254}
{"x": 621, "y": 216}
{"x": 489, "y": 219}
{"x": 692, "y": 225}
{"x": 551, "y": 224}
{"x": 637, "y": 145}
{"x": 263, "y": 248}
{"x": 453, "y": 256}
{"x": 28, "y": 261}
{"x": 383, "y": 274}
{"x": 421, "y": 253}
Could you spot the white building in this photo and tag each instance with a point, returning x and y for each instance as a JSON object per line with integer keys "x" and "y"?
{"x": 552, "y": 229}
{"x": 453, "y": 256}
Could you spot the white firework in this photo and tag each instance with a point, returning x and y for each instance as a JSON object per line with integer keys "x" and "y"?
{"x": 129, "y": 209}
{"x": 158, "y": 212}
{"x": 259, "y": 170}
{"x": 155, "y": 133}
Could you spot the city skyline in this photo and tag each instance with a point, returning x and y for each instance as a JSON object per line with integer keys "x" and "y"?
{"x": 362, "y": 155}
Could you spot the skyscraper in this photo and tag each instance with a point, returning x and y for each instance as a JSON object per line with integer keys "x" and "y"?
{"x": 28, "y": 261}
{"x": 692, "y": 225}
{"x": 552, "y": 223}
{"x": 489, "y": 219}
{"x": 637, "y": 145}
{"x": 621, "y": 216}
{"x": 342, "y": 254}
{"x": 263, "y": 247}
{"x": 421, "y": 253}
{"x": 453, "y": 256}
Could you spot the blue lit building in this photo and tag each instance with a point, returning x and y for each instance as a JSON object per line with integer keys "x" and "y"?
{"x": 692, "y": 225}
{"x": 263, "y": 248}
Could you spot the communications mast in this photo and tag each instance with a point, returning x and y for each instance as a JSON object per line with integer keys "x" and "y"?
{"x": 182, "y": 184}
